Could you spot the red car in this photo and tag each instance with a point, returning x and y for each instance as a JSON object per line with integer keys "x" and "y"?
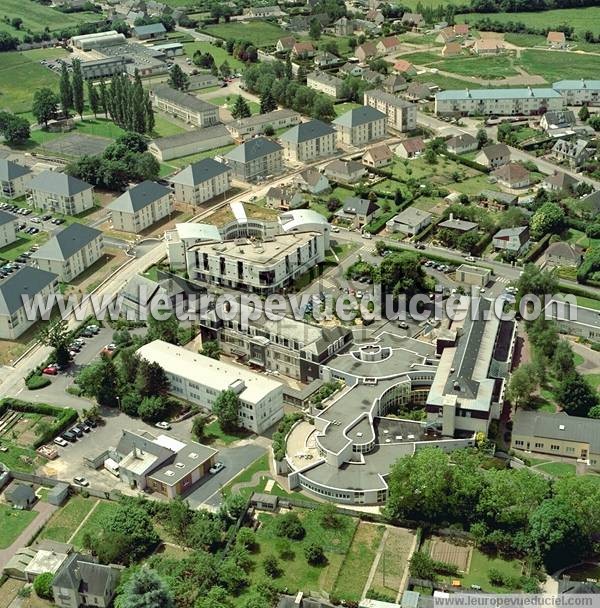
{"x": 51, "y": 371}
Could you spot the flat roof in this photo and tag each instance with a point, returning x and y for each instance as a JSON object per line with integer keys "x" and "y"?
{"x": 188, "y": 458}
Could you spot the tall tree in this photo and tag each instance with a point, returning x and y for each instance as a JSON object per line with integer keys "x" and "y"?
{"x": 227, "y": 409}
{"x": 44, "y": 105}
{"x": 56, "y": 336}
{"x": 315, "y": 29}
{"x": 93, "y": 98}
{"x": 145, "y": 589}
{"x": 66, "y": 91}
{"x": 225, "y": 69}
{"x": 289, "y": 73}
{"x": 267, "y": 103}
{"x": 240, "y": 109}
{"x": 77, "y": 87}
{"x": 149, "y": 114}
{"x": 178, "y": 79}
{"x": 211, "y": 348}
{"x": 576, "y": 395}
{"x": 523, "y": 383}
{"x": 104, "y": 98}
{"x": 563, "y": 362}
{"x": 151, "y": 379}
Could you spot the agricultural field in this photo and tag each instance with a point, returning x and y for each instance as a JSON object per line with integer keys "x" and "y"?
{"x": 259, "y": 33}
{"x": 220, "y": 55}
{"x": 558, "y": 65}
{"x": 65, "y": 521}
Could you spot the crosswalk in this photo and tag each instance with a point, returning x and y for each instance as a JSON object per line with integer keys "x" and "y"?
{"x": 504, "y": 280}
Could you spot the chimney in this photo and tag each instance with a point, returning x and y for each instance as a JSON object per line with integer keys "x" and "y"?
{"x": 451, "y": 216}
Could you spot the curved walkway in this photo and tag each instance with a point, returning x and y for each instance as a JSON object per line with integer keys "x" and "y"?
{"x": 253, "y": 482}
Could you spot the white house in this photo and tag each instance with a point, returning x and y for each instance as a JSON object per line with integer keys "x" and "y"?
{"x": 13, "y": 178}
{"x": 512, "y": 239}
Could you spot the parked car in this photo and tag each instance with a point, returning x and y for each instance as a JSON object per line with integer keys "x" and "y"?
{"x": 61, "y": 442}
{"x": 77, "y": 431}
{"x": 91, "y": 422}
{"x": 68, "y": 436}
{"x": 58, "y": 221}
{"x": 93, "y": 328}
{"x": 216, "y": 468}
{"x": 402, "y": 324}
{"x": 50, "y": 371}
{"x": 46, "y": 217}
{"x": 81, "y": 481}
{"x": 163, "y": 425}
{"x": 84, "y": 427}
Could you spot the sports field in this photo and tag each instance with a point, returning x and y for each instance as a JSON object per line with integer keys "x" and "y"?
{"x": 259, "y": 33}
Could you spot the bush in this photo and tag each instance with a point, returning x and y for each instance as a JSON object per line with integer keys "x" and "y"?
{"x": 289, "y": 525}
{"x": 271, "y": 566}
{"x": 283, "y": 429}
{"x": 495, "y": 577}
{"x": 37, "y": 381}
{"x": 246, "y": 538}
{"x": 314, "y": 554}
{"x": 43, "y": 585}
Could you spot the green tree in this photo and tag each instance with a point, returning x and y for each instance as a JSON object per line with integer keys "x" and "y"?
{"x": 227, "y": 409}
{"x": 563, "y": 362}
{"x": 288, "y": 525}
{"x": 93, "y": 98}
{"x": 328, "y": 516}
{"x": 548, "y": 219}
{"x": 314, "y": 553}
{"x": 482, "y": 138}
{"x": 255, "y": 600}
{"x": 145, "y": 589}
{"x": 289, "y": 73}
{"x": 14, "y": 128}
{"x": 178, "y": 79}
{"x": 163, "y": 329}
{"x": 211, "y": 348}
{"x": 198, "y": 427}
{"x": 231, "y": 576}
{"x": 315, "y": 29}
{"x": 240, "y": 109}
{"x": 246, "y": 538}
{"x": 179, "y": 517}
{"x": 267, "y": 103}
{"x": 42, "y": 585}
{"x": 103, "y": 94}
{"x": 522, "y": 385}
{"x": 44, "y": 106}
{"x": 232, "y": 507}
{"x": 535, "y": 281}
{"x": 100, "y": 381}
{"x": 151, "y": 380}
{"x": 77, "y": 87}
{"x": 225, "y": 69}
{"x": 271, "y": 566}
{"x": 216, "y": 597}
{"x": 576, "y": 395}
{"x": 65, "y": 88}
{"x": 204, "y": 533}
{"x": 422, "y": 566}
{"x": 153, "y": 409}
{"x": 584, "y": 113}
{"x": 58, "y": 337}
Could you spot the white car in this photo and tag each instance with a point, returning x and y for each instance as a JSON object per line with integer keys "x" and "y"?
{"x": 165, "y": 426}
{"x": 81, "y": 481}
{"x": 61, "y": 442}
{"x": 470, "y": 258}
{"x": 216, "y": 468}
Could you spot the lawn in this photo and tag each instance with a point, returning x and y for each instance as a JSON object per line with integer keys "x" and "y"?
{"x": 220, "y": 55}
{"x": 259, "y": 33}
{"x": 66, "y": 520}
{"x": 489, "y": 68}
{"x": 358, "y": 561}
{"x": 481, "y": 565}
{"x": 259, "y": 465}
{"x": 227, "y": 101}
{"x": 214, "y": 432}
{"x": 95, "y": 522}
{"x": 22, "y": 244}
{"x": 577, "y": 237}
{"x": 446, "y": 82}
{"x": 525, "y": 40}
{"x": 192, "y": 158}
{"x": 342, "y": 108}
{"x": 556, "y": 66}
{"x": 12, "y": 523}
{"x": 558, "y": 469}
{"x": 594, "y": 380}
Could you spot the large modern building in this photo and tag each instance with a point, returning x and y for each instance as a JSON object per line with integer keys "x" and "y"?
{"x": 87, "y": 42}
{"x": 575, "y": 320}
{"x": 254, "y": 159}
{"x": 201, "y": 181}
{"x": 308, "y": 141}
{"x": 13, "y": 178}
{"x": 262, "y": 267}
{"x": 360, "y": 126}
{"x": 200, "y": 380}
{"x": 579, "y": 92}
{"x": 184, "y": 106}
{"x": 106, "y": 67}
{"x": 59, "y": 192}
{"x": 501, "y": 102}
{"x": 71, "y": 251}
{"x": 140, "y": 207}
{"x": 401, "y": 114}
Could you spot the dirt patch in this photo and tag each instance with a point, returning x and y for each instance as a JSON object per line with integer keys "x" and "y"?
{"x": 443, "y": 551}
{"x": 393, "y": 561}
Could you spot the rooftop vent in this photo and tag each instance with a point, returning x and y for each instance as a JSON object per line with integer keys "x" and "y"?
{"x": 193, "y": 455}
{"x": 180, "y": 465}
{"x": 359, "y": 434}
{"x": 561, "y": 427}
{"x": 169, "y": 473}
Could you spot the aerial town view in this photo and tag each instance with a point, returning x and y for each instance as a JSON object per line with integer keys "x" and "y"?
{"x": 299, "y": 303}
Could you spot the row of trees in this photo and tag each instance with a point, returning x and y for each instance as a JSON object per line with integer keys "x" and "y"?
{"x": 128, "y": 104}
{"x": 71, "y": 88}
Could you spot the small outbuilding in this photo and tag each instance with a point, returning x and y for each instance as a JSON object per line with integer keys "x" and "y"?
{"x": 264, "y": 502}
{"x": 20, "y": 496}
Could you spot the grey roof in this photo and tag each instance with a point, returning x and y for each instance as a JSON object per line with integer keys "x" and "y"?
{"x": 82, "y": 574}
{"x": 199, "y": 172}
{"x": 264, "y": 119}
{"x": 138, "y": 197}
{"x": 28, "y": 281}
{"x": 456, "y": 224}
{"x": 346, "y": 167}
{"x": 325, "y": 78}
{"x": 67, "y": 242}
{"x": 558, "y": 426}
{"x": 193, "y": 136}
{"x": 518, "y": 231}
{"x": 496, "y": 150}
{"x": 500, "y": 197}
{"x": 563, "y": 181}
{"x": 306, "y": 131}
{"x": 388, "y": 98}
{"x": 359, "y": 206}
{"x": 560, "y": 118}
{"x": 461, "y": 140}
{"x": 182, "y": 99}
{"x": 20, "y": 494}
{"x": 252, "y": 149}
{"x": 10, "y": 170}
{"x": 6, "y": 218}
{"x": 593, "y": 85}
{"x": 463, "y": 94}
{"x": 573, "y": 149}
{"x": 411, "y": 216}
{"x": 153, "y": 28}
{"x": 359, "y": 116}
{"x": 184, "y": 462}
{"x": 58, "y": 183}
{"x": 591, "y": 202}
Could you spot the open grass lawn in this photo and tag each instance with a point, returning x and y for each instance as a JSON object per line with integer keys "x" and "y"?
{"x": 220, "y": 55}
{"x": 259, "y": 465}
{"x": 342, "y": 42}
{"x": 228, "y": 101}
{"x": 558, "y": 65}
{"x": 12, "y": 523}
{"x": 192, "y": 158}
{"x": 259, "y": 33}
{"x": 594, "y": 380}
{"x": 446, "y": 82}
{"x": 489, "y": 68}
{"x": 342, "y": 108}
{"x": 525, "y": 40}
{"x": 577, "y": 237}
{"x": 581, "y": 19}
{"x": 164, "y": 127}
{"x": 481, "y": 565}
{"x": 357, "y": 563}
{"x": 558, "y": 469}
{"x": 95, "y": 521}
{"x": 65, "y": 521}
{"x": 23, "y": 243}
{"x": 473, "y": 185}
{"x": 214, "y": 432}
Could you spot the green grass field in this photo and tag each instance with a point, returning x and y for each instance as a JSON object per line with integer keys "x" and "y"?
{"x": 588, "y": 302}
{"x": 481, "y": 67}
{"x": 259, "y": 33}
{"x": 446, "y": 82}
{"x": 12, "y": 523}
{"x": 95, "y": 521}
{"x": 214, "y": 432}
{"x": 227, "y": 101}
{"x": 558, "y": 469}
{"x": 581, "y": 19}
{"x": 219, "y": 54}
{"x": 556, "y": 66}
{"x": 342, "y": 108}
{"x": 525, "y": 40}
{"x": 481, "y": 565}
{"x": 65, "y": 521}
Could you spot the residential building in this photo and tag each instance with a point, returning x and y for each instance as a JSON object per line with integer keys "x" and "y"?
{"x": 497, "y": 200}
{"x": 515, "y": 240}
{"x": 452, "y": 49}
{"x": 264, "y": 12}
{"x": 203, "y": 81}
{"x": 558, "y": 119}
{"x": 512, "y": 175}
{"x": 458, "y": 225}
{"x": 410, "y": 148}
{"x": 8, "y": 229}
{"x": 70, "y": 251}
{"x": 13, "y": 178}
{"x": 285, "y": 44}
{"x": 140, "y": 207}
{"x": 345, "y": 171}
{"x": 590, "y": 205}
{"x": 418, "y": 91}
{"x": 556, "y": 40}
{"x": 375, "y": 16}
{"x": 261, "y": 267}
{"x": 201, "y": 181}
{"x": 200, "y": 380}
{"x": 326, "y": 60}
{"x": 103, "y": 68}
{"x": 372, "y": 77}
{"x": 488, "y": 46}
{"x": 287, "y": 346}
{"x": 391, "y": 44}
{"x": 190, "y": 142}
{"x": 184, "y": 236}
{"x": 446, "y": 35}
{"x": 59, "y": 192}
{"x": 351, "y": 69}
{"x": 255, "y": 159}
{"x": 325, "y": 83}
{"x": 303, "y": 50}
{"x": 411, "y": 221}
{"x": 20, "y": 496}
{"x": 414, "y": 20}
{"x": 461, "y": 144}
{"x": 574, "y": 152}
{"x": 161, "y": 463}
{"x": 405, "y": 68}
{"x": 557, "y": 435}
{"x": 344, "y": 27}
{"x": 365, "y": 52}
{"x": 283, "y": 198}
{"x": 394, "y": 83}
{"x": 461, "y": 29}
{"x": 500, "y": 102}
{"x": 149, "y": 32}
{"x": 185, "y": 106}
{"x": 563, "y": 254}
{"x": 358, "y": 211}
{"x": 312, "y": 181}
{"x": 493, "y": 156}
{"x": 401, "y": 114}
{"x": 574, "y": 320}
{"x": 305, "y": 220}
{"x": 378, "y": 156}
{"x": 560, "y": 181}
{"x": 80, "y": 581}
{"x": 579, "y": 92}
{"x": 27, "y": 282}
{"x": 308, "y": 141}
{"x": 360, "y": 126}
{"x": 245, "y": 128}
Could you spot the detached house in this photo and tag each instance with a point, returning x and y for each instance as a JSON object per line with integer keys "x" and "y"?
{"x": 375, "y": 16}
{"x": 283, "y": 198}
{"x": 312, "y": 181}
{"x": 308, "y": 141}
{"x": 575, "y": 152}
{"x": 493, "y": 156}
{"x": 460, "y": 144}
{"x": 343, "y": 27}
{"x": 451, "y": 49}
{"x": 410, "y": 148}
{"x": 557, "y": 119}
{"x": 387, "y": 45}
{"x": 285, "y": 44}
{"x": 563, "y": 254}
{"x": 59, "y": 192}
{"x": 361, "y": 126}
{"x": 70, "y": 252}
{"x": 303, "y": 50}
{"x": 365, "y": 52}
{"x": 359, "y": 211}
{"x": 394, "y": 83}
{"x": 560, "y": 181}
{"x": 405, "y": 67}
{"x": 8, "y": 229}
{"x": 515, "y": 240}
{"x": 556, "y": 40}
{"x": 325, "y": 60}
{"x": 446, "y": 35}
{"x": 488, "y": 46}
{"x": 13, "y": 178}
{"x": 140, "y": 207}
{"x": 378, "y": 156}
{"x": 413, "y": 20}
{"x": 201, "y": 181}
{"x": 255, "y": 159}
{"x": 411, "y": 221}
{"x": 345, "y": 171}
{"x": 512, "y": 175}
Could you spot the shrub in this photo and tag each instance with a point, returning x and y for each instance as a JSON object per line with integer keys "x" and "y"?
{"x": 42, "y": 585}
{"x": 271, "y": 566}
{"x": 289, "y": 525}
{"x": 37, "y": 381}
{"x": 246, "y": 538}
{"x": 495, "y": 577}
{"x": 283, "y": 429}
{"x": 314, "y": 554}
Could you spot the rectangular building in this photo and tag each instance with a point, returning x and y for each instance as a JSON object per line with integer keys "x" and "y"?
{"x": 325, "y": 83}
{"x": 8, "y": 229}
{"x": 59, "y": 192}
{"x": 401, "y": 114}
{"x": 575, "y": 320}
{"x": 13, "y": 178}
{"x": 201, "y": 181}
{"x": 245, "y": 128}
{"x": 190, "y": 142}
{"x": 103, "y": 68}
{"x": 361, "y": 126}
{"x": 411, "y": 221}
{"x": 184, "y": 106}
{"x": 579, "y": 92}
{"x": 308, "y": 141}
{"x": 200, "y": 380}
{"x": 255, "y": 159}
{"x": 499, "y": 102}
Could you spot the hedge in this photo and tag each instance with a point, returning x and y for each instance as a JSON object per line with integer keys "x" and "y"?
{"x": 37, "y": 381}
{"x": 537, "y": 249}
{"x": 278, "y": 440}
{"x": 63, "y": 416}
{"x": 374, "y": 226}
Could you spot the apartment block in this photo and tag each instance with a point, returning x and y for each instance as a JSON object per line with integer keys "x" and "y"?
{"x": 361, "y": 126}
{"x": 308, "y": 141}
{"x": 579, "y": 92}
{"x": 184, "y": 106}
{"x": 13, "y": 178}
{"x": 59, "y": 192}
{"x": 255, "y": 159}
{"x": 325, "y": 83}
{"x": 401, "y": 115}
{"x": 201, "y": 181}
{"x": 8, "y": 229}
